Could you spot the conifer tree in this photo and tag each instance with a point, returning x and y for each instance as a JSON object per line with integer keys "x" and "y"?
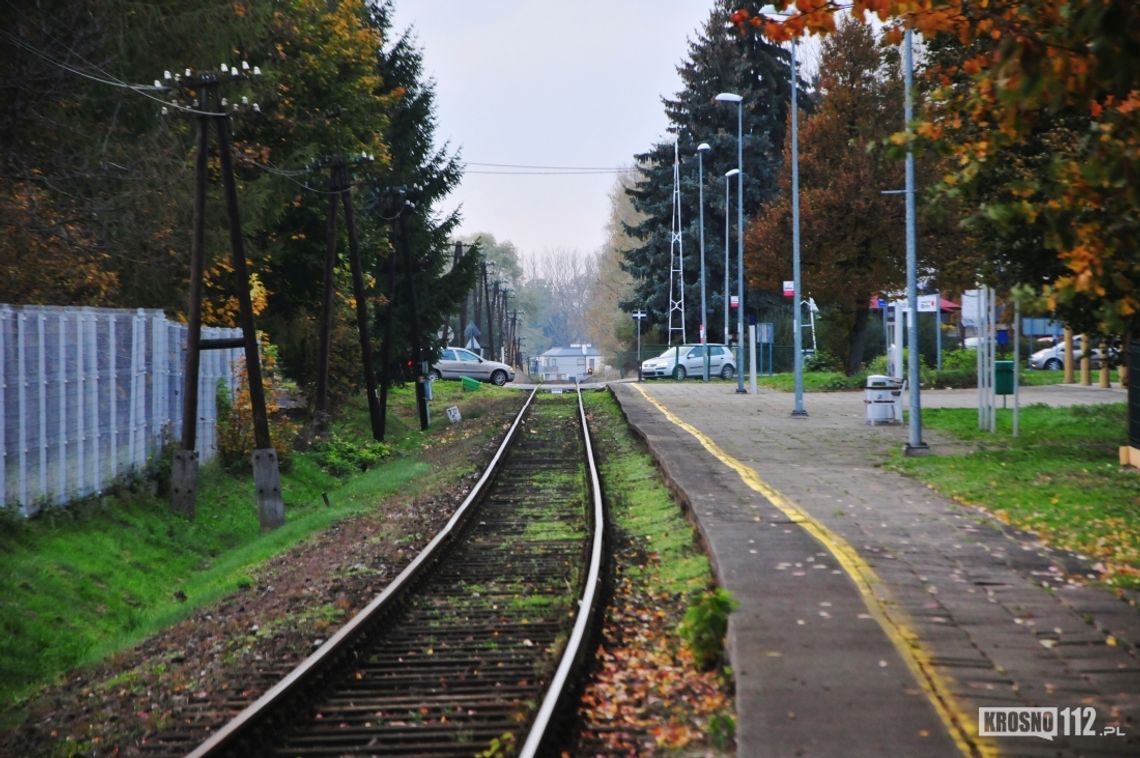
{"x": 720, "y": 59}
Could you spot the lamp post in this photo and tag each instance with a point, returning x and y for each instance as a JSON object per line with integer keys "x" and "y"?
{"x": 637, "y": 316}
{"x": 914, "y": 445}
{"x": 729, "y": 97}
{"x": 701, "y": 150}
{"x": 797, "y": 311}
{"x": 727, "y": 236}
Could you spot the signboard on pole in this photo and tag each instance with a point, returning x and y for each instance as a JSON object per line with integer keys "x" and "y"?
{"x": 790, "y": 288}
{"x": 928, "y": 303}
{"x": 734, "y": 301}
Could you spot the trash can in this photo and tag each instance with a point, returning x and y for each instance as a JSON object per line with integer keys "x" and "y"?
{"x": 1003, "y": 377}
{"x": 883, "y": 399}
{"x": 469, "y": 384}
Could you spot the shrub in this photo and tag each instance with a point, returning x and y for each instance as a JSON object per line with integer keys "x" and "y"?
{"x": 340, "y": 455}
{"x": 705, "y": 624}
{"x": 822, "y": 360}
{"x": 235, "y": 425}
{"x": 960, "y": 360}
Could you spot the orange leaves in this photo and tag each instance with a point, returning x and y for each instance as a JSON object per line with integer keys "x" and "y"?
{"x": 648, "y": 689}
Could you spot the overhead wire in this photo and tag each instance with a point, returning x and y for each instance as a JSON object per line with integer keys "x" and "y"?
{"x": 111, "y": 80}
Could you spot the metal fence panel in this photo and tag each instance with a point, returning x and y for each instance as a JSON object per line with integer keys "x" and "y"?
{"x": 89, "y": 395}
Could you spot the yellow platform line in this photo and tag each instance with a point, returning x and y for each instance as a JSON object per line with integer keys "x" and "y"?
{"x": 961, "y": 726}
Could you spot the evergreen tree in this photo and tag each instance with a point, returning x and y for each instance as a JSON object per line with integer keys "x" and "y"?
{"x": 720, "y": 59}
{"x": 402, "y": 201}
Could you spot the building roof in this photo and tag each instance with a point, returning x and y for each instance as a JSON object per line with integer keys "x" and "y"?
{"x": 570, "y": 352}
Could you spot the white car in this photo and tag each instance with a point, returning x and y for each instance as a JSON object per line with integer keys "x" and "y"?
{"x": 456, "y": 362}
{"x": 680, "y": 361}
{"x": 1053, "y": 358}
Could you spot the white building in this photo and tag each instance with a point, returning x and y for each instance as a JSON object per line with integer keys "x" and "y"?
{"x": 567, "y": 363}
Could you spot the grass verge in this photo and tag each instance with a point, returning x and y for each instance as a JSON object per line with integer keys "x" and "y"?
{"x": 649, "y": 685}
{"x": 1059, "y": 479}
{"x": 91, "y": 579}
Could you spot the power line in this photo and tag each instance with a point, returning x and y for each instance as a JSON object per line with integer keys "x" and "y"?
{"x": 549, "y": 168}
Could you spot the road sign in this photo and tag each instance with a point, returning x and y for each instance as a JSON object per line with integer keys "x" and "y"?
{"x": 789, "y": 288}
{"x": 928, "y": 303}
{"x": 734, "y": 301}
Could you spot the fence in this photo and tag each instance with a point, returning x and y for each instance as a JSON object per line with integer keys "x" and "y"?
{"x": 89, "y": 395}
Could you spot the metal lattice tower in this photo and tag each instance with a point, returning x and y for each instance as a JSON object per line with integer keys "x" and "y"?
{"x": 676, "y": 255}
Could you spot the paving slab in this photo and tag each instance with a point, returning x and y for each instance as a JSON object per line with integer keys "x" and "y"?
{"x": 875, "y": 615}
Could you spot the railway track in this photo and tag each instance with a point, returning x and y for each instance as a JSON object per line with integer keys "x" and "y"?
{"x": 473, "y": 648}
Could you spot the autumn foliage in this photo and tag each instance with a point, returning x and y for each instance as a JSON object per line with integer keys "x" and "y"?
{"x": 1024, "y": 62}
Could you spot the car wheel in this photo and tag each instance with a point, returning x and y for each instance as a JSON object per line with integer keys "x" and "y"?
{"x": 679, "y": 373}
{"x": 435, "y": 374}
{"x": 498, "y": 377}
{"x": 1053, "y": 364}
{"x": 727, "y": 372}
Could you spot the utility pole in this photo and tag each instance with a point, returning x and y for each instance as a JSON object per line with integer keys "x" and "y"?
{"x": 490, "y": 323}
{"x": 184, "y": 473}
{"x": 340, "y": 187}
{"x": 418, "y": 367}
{"x": 462, "y": 322}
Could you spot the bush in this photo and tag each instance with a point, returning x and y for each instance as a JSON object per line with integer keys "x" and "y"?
{"x": 822, "y": 360}
{"x": 960, "y": 360}
{"x": 341, "y": 456}
{"x": 844, "y": 382}
{"x": 235, "y": 428}
{"x": 950, "y": 379}
{"x": 705, "y": 624}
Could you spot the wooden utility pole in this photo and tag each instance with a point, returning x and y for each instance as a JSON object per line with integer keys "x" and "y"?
{"x": 340, "y": 187}
{"x": 184, "y": 473}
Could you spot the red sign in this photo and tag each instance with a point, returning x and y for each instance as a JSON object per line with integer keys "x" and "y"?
{"x": 733, "y": 301}
{"x": 790, "y": 288}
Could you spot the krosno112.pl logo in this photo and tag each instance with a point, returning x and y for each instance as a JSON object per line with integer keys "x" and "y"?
{"x": 1046, "y": 723}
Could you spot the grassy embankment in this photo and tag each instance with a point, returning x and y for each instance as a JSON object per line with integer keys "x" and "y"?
{"x": 1060, "y": 478}
{"x": 82, "y": 582}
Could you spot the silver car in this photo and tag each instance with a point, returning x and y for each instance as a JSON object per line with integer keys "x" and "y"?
{"x": 680, "y": 361}
{"x": 456, "y": 362}
{"x": 1053, "y": 358}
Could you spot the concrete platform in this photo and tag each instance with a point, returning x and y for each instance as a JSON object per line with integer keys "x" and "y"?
{"x": 877, "y": 616}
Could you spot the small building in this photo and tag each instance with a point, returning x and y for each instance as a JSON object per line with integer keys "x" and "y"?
{"x": 567, "y": 363}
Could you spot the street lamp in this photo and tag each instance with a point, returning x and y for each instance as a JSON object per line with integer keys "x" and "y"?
{"x": 637, "y": 316}
{"x": 797, "y": 321}
{"x": 701, "y": 150}
{"x": 914, "y": 444}
{"x": 729, "y": 97}
{"x": 727, "y": 236}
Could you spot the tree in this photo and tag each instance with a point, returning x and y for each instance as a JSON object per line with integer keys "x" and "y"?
{"x": 719, "y": 60}
{"x": 852, "y": 235}
{"x": 403, "y": 198}
{"x": 95, "y": 176}
{"x": 1050, "y": 58}
{"x": 558, "y": 285}
{"x": 612, "y": 330}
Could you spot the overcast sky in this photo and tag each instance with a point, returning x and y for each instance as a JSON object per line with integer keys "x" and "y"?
{"x": 572, "y": 84}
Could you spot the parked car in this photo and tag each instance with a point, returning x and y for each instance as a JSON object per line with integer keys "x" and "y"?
{"x": 1053, "y": 358}
{"x": 680, "y": 361}
{"x": 455, "y": 362}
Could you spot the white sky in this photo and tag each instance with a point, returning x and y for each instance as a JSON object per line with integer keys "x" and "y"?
{"x": 574, "y": 83}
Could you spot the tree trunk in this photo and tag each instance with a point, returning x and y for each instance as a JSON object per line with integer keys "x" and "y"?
{"x": 857, "y": 336}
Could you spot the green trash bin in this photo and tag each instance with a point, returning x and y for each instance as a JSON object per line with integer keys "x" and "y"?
{"x": 469, "y": 384}
{"x": 1003, "y": 377}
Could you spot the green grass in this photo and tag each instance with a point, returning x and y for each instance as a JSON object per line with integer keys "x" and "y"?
{"x": 1060, "y": 479}
{"x": 823, "y": 381}
{"x": 643, "y": 508}
{"x": 85, "y": 581}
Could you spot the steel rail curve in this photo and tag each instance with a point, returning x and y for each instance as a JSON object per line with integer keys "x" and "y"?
{"x": 253, "y": 726}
